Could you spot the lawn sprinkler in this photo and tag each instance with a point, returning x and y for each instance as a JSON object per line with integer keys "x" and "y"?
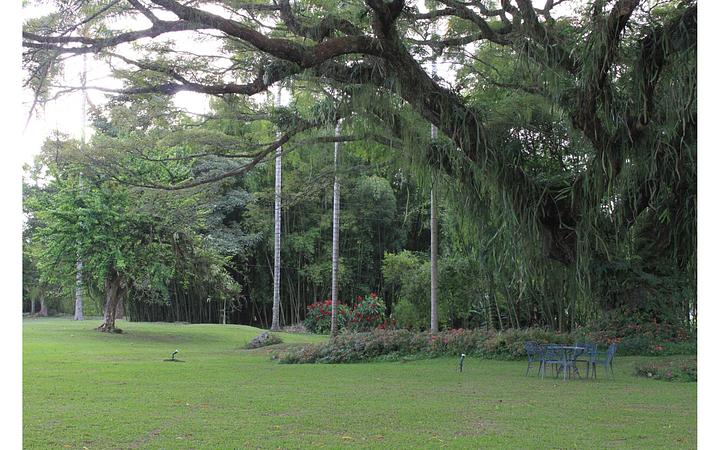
{"x": 462, "y": 360}
{"x": 172, "y": 357}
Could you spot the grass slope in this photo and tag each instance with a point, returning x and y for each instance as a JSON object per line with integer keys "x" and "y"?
{"x": 85, "y": 389}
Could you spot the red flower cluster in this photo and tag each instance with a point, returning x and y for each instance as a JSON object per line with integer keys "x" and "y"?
{"x": 387, "y": 325}
{"x": 319, "y": 316}
{"x": 367, "y": 314}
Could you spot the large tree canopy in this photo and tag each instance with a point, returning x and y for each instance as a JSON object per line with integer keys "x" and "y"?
{"x": 573, "y": 123}
{"x": 131, "y": 241}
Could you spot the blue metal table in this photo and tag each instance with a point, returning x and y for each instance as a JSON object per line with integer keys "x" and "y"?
{"x": 563, "y": 355}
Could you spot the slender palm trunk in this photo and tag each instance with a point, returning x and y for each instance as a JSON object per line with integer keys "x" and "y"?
{"x": 433, "y": 244}
{"x": 433, "y": 264}
{"x": 335, "y": 237}
{"x": 79, "y": 264}
{"x": 278, "y": 205}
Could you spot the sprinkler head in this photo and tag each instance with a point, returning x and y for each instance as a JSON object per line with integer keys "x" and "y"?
{"x": 172, "y": 356}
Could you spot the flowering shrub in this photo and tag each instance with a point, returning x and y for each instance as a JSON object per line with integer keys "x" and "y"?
{"x": 684, "y": 370}
{"x": 389, "y": 344}
{"x": 649, "y": 338}
{"x": 506, "y": 345}
{"x": 368, "y": 314}
{"x": 388, "y": 324}
{"x": 319, "y": 316}
{"x": 301, "y": 355}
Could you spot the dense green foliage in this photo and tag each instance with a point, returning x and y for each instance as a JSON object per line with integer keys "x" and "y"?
{"x": 565, "y": 164}
{"x": 228, "y": 226}
{"x": 221, "y": 235}
{"x": 83, "y": 388}
{"x": 384, "y": 239}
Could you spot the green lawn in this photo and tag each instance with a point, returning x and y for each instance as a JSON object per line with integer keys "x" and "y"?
{"x": 84, "y": 389}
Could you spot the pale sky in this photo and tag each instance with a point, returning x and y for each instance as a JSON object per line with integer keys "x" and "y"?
{"x": 65, "y": 113}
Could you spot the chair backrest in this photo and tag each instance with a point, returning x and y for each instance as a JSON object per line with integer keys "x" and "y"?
{"x": 611, "y": 352}
{"x": 579, "y": 350}
{"x": 533, "y": 348}
{"x": 590, "y": 348}
{"x": 554, "y": 352}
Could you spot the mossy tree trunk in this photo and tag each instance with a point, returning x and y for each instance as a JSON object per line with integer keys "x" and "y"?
{"x": 78, "y": 292}
{"x": 115, "y": 288}
{"x": 43, "y": 308}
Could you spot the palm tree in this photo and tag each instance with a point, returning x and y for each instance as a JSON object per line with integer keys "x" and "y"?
{"x": 335, "y": 236}
{"x": 79, "y": 263}
{"x": 278, "y": 204}
{"x": 433, "y": 242}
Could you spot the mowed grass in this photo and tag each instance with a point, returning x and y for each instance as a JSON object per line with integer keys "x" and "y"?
{"x": 85, "y": 389}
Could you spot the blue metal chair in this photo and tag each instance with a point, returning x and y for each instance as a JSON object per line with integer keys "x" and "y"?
{"x": 555, "y": 356}
{"x": 535, "y": 353}
{"x": 606, "y": 361}
{"x": 589, "y": 349}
